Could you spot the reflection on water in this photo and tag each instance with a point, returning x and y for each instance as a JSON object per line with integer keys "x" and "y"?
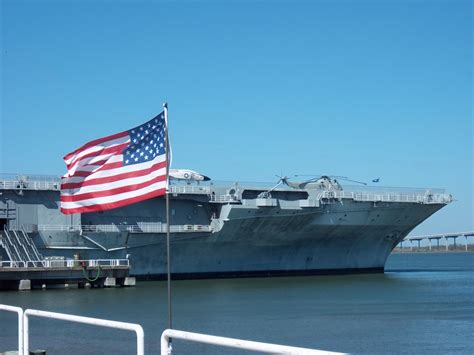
{"x": 429, "y": 310}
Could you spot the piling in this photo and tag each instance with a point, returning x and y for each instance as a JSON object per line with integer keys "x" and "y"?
{"x": 109, "y": 282}
{"x": 130, "y": 281}
{"x": 24, "y": 285}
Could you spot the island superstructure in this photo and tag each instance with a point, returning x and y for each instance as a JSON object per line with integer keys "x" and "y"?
{"x": 220, "y": 229}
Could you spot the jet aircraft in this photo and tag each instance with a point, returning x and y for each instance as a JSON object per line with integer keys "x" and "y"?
{"x": 188, "y": 175}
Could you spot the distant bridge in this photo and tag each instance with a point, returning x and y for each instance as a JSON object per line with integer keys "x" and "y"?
{"x": 437, "y": 238}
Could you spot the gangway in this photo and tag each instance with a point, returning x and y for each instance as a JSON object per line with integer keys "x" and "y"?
{"x": 19, "y": 246}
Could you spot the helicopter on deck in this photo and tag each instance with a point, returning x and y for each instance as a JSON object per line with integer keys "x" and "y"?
{"x": 321, "y": 182}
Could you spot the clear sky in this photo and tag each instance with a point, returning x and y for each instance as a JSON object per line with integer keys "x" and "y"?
{"x": 363, "y": 89}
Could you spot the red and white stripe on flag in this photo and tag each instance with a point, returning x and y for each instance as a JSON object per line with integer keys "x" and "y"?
{"x": 116, "y": 170}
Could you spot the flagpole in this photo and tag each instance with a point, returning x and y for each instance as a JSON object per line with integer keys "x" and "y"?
{"x": 168, "y": 254}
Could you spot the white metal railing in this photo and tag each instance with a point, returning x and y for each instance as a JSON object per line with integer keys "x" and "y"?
{"x": 389, "y": 197}
{"x": 189, "y": 189}
{"x": 19, "y": 311}
{"x": 71, "y": 263}
{"x": 15, "y": 253}
{"x": 4, "y": 243}
{"x": 362, "y": 193}
{"x": 143, "y": 228}
{"x": 33, "y": 183}
{"x": 24, "y": 334}
{"x": 55, "y": 184}
{"x": 68, "y": 263}
{"x": 32, "y": 245}
{"x": 21, "y": 263}
{"x": 107, "y": 262}
{"x": 232, "y": 343}
{"x": 29, "y": 185}
{"x": 223, "y": 198}
{"x": 12, "y": 264}
{"x": 137, "y": 328}
{"x": 50, "y": 182}
{"x": 21, "y": 245}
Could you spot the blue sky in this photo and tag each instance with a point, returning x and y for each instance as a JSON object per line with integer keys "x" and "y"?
{"x": 256, "y": 88}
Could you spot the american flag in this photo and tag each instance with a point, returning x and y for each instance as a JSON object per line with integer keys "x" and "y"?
{"x": 116, "y": 170}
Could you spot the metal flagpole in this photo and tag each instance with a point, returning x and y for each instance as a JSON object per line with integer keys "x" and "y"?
{"x": 168, "y": 256}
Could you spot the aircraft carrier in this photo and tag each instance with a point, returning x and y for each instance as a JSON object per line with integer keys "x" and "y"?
{"x": 220, "y": 229}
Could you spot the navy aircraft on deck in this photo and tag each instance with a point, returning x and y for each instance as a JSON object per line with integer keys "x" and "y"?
{"x": 187, "y": 175}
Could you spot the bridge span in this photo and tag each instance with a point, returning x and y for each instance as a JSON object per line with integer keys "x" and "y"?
{"x": 446, "y": 237}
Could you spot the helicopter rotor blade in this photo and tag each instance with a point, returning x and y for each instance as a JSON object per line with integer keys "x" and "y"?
{"x": 319, "y": 175}
{"x": 358, "y": 182}
{"x": 282, "y": 178}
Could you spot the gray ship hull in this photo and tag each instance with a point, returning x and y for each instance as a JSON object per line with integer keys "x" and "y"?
{"x": 222, "y": 232}
{"x": 311, "y": 243}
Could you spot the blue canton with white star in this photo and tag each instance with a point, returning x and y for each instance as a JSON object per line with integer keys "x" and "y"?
{"x": 146, "y": 142}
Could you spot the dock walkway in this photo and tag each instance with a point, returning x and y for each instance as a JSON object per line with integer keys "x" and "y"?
{"x": 21, "y": 275}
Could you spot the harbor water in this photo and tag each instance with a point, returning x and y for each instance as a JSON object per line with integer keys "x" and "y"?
{"x": 423, "y": 304}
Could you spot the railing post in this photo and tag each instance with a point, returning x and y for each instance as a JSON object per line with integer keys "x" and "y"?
{"x": 165, "y": 344}
{"x": 19, "y": 312}
{"x": 26, "y": 335}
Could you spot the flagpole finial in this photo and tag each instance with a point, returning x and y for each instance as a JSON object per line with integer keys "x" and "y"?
{"x": 165, "y": 105}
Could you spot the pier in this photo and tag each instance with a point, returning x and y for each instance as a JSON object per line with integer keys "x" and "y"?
{"x": 26, "y": 275}
{"x": 437, "y": 242}
{"x": 26, "y": 268}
